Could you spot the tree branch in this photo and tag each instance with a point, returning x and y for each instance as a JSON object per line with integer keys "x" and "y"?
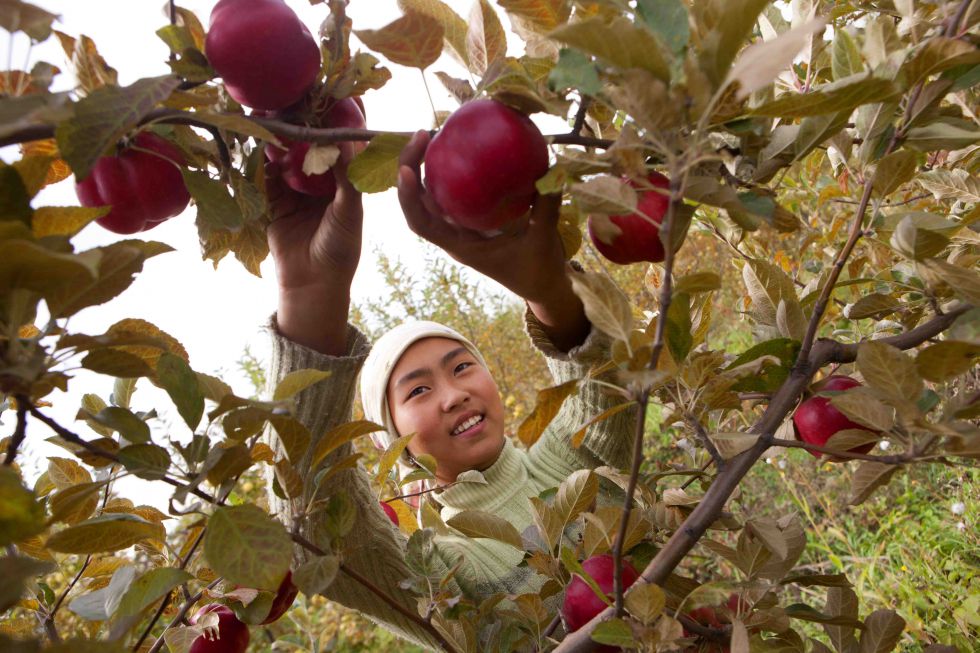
{"x": 579, "y": 122}
{"x": 705, "y": 440}
{"x": 20, "y": 430}
{"x": 666, "y": 235}
{"x": 377, "y": 591}
{"x": 836, "y": 453}
{"x": 65, "y": 434}
{"x": 181, "y": 615}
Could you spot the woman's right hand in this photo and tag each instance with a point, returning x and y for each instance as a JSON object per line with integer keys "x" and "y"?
{"x": 316, "y": 246}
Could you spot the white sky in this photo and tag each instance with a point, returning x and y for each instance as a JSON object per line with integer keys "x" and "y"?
{"x": 216, "y": 314}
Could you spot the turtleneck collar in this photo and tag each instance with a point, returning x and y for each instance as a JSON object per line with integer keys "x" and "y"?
{"x": 487, "y": 489}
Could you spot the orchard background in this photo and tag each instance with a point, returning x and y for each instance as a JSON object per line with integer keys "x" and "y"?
{"x": 795, "y": 135}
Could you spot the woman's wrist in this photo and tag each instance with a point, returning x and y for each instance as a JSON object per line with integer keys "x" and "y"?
{"x": 560, "y": 312}
{"x": 315, "y": 316}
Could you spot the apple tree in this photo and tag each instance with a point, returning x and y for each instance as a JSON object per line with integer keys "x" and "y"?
{"x": 828, "y": 151}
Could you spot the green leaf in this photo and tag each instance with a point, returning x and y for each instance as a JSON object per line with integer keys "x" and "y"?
{"x": 375, "y": 169}
{"x": 22, "y": 516}
{"x": 728, "y": 24}
{"x": 150, "y": 588}
{"x": 116, "y": 266}
{"x": 770, "y": 377}
{"x": 965, "y": 282}
{"x": 943, "y": 134}
{"x": 217, "y": 210}
{"x": 618, "y": 42}
{"x": 147, "y": 461}
{"x": 843, "y": 95}
{"x": 475, "y": 523}
{"x": 679, "y": 338}
{"x": 574, "y": 70}
{"x": 614, "y": 632}
{"x": 605, "y": 305}
{"x": 14, "y": 198}
{"x": 874, "y": 305}
{"x": 106, "y": 533}
{"x": 946, "y": 360}
{"x": 315, "y": 576}
{"x": 30, "y": 266}
{"x": 116, "y": 363}
{"x": 893, "y": 171}
{"x": 951, "y": 184}
{"x": 697, "y": 282}
{"x": 104, "y": 116}
{"x": 247, "y": 546}
{"x": 669, "y": 19}
{"x": 889, "y": 370}
{"x": 341, "y": 435}
{"x": 121, "y": 420}
{"x": 16, "y": 571}
{"x": 845, "y": 57}
{"x": 937, "y": 54}
{"x": 180, "y": 382}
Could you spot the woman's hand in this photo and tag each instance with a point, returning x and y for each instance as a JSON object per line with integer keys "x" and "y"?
{"x": 526, "y": 257}
{"x": 316, "y": 246}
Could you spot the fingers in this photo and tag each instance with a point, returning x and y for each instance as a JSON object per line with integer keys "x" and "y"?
{"x": 414, "y": 152}
{"x": 546, "y": 210}
{"x": 426, "y": 223}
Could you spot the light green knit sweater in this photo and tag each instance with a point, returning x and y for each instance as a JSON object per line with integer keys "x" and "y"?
{"x": 376, "y": 549}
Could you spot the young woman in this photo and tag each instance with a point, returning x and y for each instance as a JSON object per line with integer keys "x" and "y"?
{"x": 425, "y": 379}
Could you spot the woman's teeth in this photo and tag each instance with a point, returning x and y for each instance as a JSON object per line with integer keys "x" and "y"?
{"x": 471, "y": 422}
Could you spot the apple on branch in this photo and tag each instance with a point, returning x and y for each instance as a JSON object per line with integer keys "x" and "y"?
{"x": 482, "y": 165}
{"x": 634, "y": 237}
{"x": 142, "y": 184}
{"x": 231, "y": 635}
{"x": 581, "y": 602}
{"x": 816, "y": 419}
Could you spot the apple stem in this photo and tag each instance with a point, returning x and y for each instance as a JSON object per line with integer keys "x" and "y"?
{"x": 435, "y": 114}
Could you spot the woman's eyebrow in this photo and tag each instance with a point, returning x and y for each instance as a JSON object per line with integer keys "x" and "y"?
{"x": 425, "y": 371}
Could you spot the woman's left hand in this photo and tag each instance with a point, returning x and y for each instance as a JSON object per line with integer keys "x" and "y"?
{"x": 526, "y": 257}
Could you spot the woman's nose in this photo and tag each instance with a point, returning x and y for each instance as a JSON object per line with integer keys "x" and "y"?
{"x": 453, "y": 396}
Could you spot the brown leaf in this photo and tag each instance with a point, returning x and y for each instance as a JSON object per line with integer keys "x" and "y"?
{"x": 544, "y": 15}
{"x": 485, "y": 39}
{"x": 868, "y": 478}
{"x": 454, "y": 27}
{"x": 414, "y": 40}
{"x": 547, "y": 405}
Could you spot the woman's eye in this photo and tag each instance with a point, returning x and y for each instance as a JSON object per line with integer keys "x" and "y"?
{"x": 417, "y": 390}
{"x": 462, "y": 366}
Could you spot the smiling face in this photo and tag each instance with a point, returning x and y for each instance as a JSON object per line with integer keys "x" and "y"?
{"x": 440, "y": 392}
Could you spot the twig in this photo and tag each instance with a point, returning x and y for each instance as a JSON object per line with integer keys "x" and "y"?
{"x": 377, "y": 591}
{"x": 666, "y": 236}
{"x": 61, "y": 599}
{"x": 20, "y": 431}
{"x": 900, "y": 459}
{"x": 579, "y": 122}
{"x": 65, "y": 434}
{"x": 184, "y": 609}
{"x": 705, "y": 440}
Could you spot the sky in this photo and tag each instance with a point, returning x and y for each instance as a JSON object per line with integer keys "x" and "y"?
{"x": 215, "y": 314}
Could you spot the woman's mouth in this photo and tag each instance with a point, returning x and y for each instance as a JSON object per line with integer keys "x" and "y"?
{"x": 469, "y": 426}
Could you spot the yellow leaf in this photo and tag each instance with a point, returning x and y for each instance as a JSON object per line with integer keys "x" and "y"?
{"x": 414, "y": 40}
{"x": 341, "y": 435}
{"x": 65, "y": 472}
{"x": 544, "y": 15}
{"x": 548, "y": 404}
{"x": 105, "y": 533}
{"x": 375, "y": 169}
{"x": 579, "y": 435}
{"x": 48, "y": 147}
{"x": 390, "y": 456}
{"x": 485, "y": 39}
{"x": 64, "y": 220}
{"x": 297, "y": 381}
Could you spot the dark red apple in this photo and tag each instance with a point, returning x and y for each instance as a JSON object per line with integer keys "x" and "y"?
{"x": 285, "y": 596}
{"x": 481, "y": 166}
{"x": 232, "y": 635}
{"x": 634, "y": 237}
{"x": 816, "y": 420}
{"x": 266, "y": 56}
{"x": 142, "y": 184}
{"x": 392, "y": 515}
{"x": 581, "y": 603}
{"x": 343, "y": 113}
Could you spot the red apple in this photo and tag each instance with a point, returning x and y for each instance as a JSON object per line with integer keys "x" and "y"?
{"x": 581, "y": 603}
{"x": 266, "y": 56}
{"x": 343, "y": 113}
{"x": 816, "y": 420}
{"x": 633, "y": 237}
{"x": 392, "y": 515}
{"x": 481, "y": 166}
{"x": 707, "y": 616}
{"x": 142, "y": 184}
{"x": 285, "y": 596}
{"x": 232, "y": 636}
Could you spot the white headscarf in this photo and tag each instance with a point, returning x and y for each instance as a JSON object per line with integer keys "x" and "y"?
{"x": 382, "y": 360}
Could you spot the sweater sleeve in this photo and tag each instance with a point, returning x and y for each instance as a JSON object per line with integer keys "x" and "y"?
{"x": 374, "y": 548}
{"x": 608, "y": 442}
